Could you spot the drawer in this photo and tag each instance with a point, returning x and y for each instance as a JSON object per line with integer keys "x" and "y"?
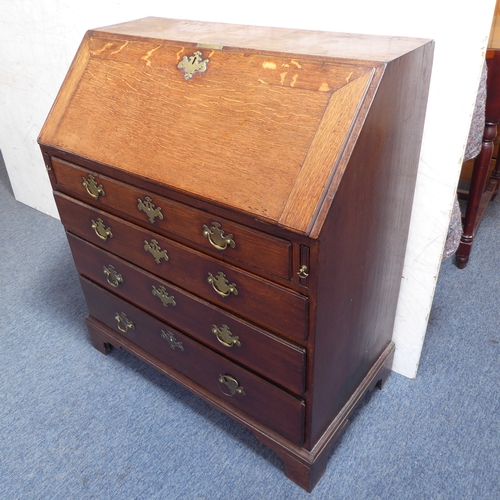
{"x": 265, "y": 303}
{"x": 224, "y": 239}
{"x": 239, "y": 387}
{"x": 270, "y": 356}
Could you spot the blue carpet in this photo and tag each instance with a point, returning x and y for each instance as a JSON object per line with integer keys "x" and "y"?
{"x": 75, "y": 424}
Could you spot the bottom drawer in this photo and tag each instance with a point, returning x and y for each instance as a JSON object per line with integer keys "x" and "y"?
{"x": 258, "y": 398}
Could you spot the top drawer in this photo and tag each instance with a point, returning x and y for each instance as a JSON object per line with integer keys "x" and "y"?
{"x": 224, "y": 239}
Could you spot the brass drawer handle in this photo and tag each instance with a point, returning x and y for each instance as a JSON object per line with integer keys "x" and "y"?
{"x": 93, "y": 189}
{"x": 124, "y": 324}
{"x": 232, "y": 384}
{"x": 101, "y": 230}
{"x": 112, "y": 277}
{"x": 225, "y": 337}
{"x": 162, "y": 294}
{"x": 217, "y": 238}
{"x": 154, "y": 249}
{"x": 220, "y": 284}
{"x": 172, "y": 341}
{"x": 148, "y": 207}
{"x": 302, "y": 272}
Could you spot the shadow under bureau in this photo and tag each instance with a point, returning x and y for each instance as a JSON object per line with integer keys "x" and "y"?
{"x": 237, "y": 202}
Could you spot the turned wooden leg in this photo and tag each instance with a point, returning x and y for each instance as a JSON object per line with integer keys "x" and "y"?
{"x": 478, "y": 181}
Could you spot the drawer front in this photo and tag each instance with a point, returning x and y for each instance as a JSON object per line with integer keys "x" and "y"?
{"x": 272, "y": 357}
{"x": 227, "y": 240}
{"x": 244, "y": 390}
{"x": 270, "y": 305}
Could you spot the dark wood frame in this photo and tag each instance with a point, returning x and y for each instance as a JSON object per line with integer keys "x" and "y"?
{"x": 480, "y": 192}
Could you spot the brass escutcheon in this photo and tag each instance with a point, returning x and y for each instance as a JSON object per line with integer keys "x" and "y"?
{"x": 112, "y": 277}
{"x": 232, "y": 384}
{"x": 101, "y": 230}
{"x": 124, "y": 324}
{"x": 95, "y": 190}
{"x": 217, "y": 238}
{"x": 161, "y": 293}
{"x": 154, "y": 249}
{"x": 302, "y": 272}
{"x": 193, "y": 64}
{"x": 172, "y": 341}
{"x": 148, "y": 207}
{"x": 220, "y": 284}
{"x": 225, "y": 337}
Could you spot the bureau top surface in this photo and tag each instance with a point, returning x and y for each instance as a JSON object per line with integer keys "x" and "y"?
{"x": 260, "y": 127}
{"x": 261, "y": 38}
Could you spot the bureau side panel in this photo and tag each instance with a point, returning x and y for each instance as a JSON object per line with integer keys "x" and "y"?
{"x": 363, "y": 242}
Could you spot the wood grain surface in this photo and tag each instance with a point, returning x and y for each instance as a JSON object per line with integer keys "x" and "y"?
{"x": 358, "y": 47}
{"x": 274, "y": 122}
{"x": 190, "y": 135}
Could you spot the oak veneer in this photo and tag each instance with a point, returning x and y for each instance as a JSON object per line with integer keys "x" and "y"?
{"x": 302, "y": 148}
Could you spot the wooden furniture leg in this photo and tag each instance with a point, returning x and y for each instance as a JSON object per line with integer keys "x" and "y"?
{"x": 305, "y": 468}
{"x": 478, "y": 182}
{"x": 99, "y": 341}
{"x": 478, "y": 197}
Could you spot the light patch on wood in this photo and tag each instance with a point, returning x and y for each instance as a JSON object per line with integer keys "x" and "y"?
{"x": 294, "y": 80}
{"x": 348, "y": 77}
{"x": 324, "y": 87}
{"x": 122, "y": 47}
{"x": 293, "y": 61}
{"x": 100, "y": 51}
{"x": 285, "y": 65}
{"x": 149, "y": 53}
{"x": 283, "y": 75}
{"x": 178, "y": 54}
{"x": 269, "y": 65}
{"x": 262, "y": 81}
{"x": 237, "y": 101}
{"x": 128, "y": 85}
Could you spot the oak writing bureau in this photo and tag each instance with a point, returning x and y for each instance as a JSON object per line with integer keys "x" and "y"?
{"x": 237, "y": 202}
